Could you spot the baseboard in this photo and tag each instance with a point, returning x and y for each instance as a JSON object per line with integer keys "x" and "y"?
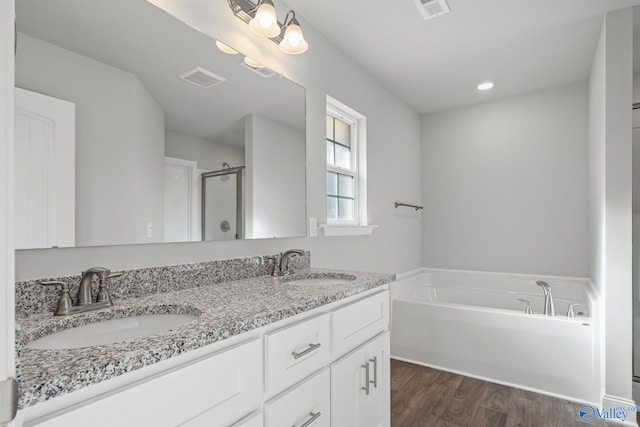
{"x": 491, "y": 380}
{"x": 609, "y": 402}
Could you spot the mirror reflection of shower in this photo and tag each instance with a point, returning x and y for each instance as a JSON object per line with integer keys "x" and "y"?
{"x": 222, "y": 207}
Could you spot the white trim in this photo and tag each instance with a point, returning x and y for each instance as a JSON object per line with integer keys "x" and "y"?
{"x": 491, "y": 380}
{"x": 330, "y": 230}
{"x": 358, "y": 123}
{"x": 609, "y": 401}
{"x": 194, "y": 194}
{"x": 7, "y": 253}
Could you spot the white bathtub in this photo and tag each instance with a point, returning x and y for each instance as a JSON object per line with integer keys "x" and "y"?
{"x": 472, "y": 323}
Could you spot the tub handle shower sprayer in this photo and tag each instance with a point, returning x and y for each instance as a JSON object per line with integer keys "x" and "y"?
{"x": 549, "y": 307}
{"x": 570, "y": 312}
{"x": 527, "y": 309}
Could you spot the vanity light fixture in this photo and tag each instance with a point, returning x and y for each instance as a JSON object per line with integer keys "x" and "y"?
{"x": 263, "y": 21}
{"x": 293, "y": 42}
{"x": 485, "y": 85}
{"x": 226, "y": 49}
{"x": 252, "y": 62}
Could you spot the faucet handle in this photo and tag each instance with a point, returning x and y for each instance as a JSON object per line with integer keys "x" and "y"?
{"x": 274, "y": 268}
{"x": 64, "y": 302}
{"x": 570, "y": 312}
{"x": 103, "y": 293}
{"x": 527, "y": 309}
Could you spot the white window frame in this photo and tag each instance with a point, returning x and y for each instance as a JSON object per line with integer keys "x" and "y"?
{"x": 358, "y": 122}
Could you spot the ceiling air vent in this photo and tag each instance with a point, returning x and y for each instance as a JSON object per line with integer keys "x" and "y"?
{"x": 202, "y": 78}
{"x": 263, "y": 71}
{"x": 432, "y": 8}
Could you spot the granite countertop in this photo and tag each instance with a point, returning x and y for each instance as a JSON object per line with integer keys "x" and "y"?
{"x": 224, "y": 309}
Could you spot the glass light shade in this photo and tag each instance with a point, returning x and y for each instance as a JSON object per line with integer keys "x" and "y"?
{"x": 293, "y": 42}
{"x": 265, "y": 23}
{"x": 252, "y": 62}
{"x": 226, "y": 49}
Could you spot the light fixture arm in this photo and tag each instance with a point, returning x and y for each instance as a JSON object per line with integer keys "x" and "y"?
{"x": 246, "y": 10}
{"x": 291, "y": 16}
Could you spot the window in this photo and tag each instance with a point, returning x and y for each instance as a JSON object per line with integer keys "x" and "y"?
{"x": 342, "y": 169}
{"x": 346, "y": 171}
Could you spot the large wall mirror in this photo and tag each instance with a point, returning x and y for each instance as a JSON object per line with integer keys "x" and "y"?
{"x": 133, "y": 127}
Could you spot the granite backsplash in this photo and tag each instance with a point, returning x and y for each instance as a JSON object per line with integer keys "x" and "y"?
{"x": 33, "y": 298}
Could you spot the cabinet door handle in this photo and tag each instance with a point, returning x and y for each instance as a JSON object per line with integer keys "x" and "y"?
{"x": 375, "y": 371}
{"x": 306, "y": 351}
{"x": 314, "y": 417}
{"x": 366, "y": 378}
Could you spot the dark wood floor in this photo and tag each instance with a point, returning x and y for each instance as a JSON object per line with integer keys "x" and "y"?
{"x": 425, "y": 397}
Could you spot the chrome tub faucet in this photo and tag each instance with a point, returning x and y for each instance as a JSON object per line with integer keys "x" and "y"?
{"x": 549, "y": 307}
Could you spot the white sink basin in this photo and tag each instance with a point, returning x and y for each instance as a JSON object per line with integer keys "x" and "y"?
{"x": 112, "y": 331}
{"x": 321, "y": 280}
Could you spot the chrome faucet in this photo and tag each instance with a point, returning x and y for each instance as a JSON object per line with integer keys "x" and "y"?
{"x": 84, "y": 292}
{"x": 549, "y": 307}
{"x": 65, "y": 306}
{"x": 281, "y": 266}
{"x": 284, "y": 266}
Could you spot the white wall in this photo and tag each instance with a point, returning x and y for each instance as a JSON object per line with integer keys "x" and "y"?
{"x": 119, "y": 167}
{"x": 275, "y": 187}
{"x": 393, "y": 164}
{"x": 207, "y": 153}
{"x": 505, "y": 185}
{"x": 610, "y": 194}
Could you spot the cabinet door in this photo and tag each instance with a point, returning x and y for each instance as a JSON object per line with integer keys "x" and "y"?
{"x": 377, "y": 412}
{"x": 360, "y": 386}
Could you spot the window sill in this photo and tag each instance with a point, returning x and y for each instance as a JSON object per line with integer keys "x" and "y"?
{"x": 347, "y": 230}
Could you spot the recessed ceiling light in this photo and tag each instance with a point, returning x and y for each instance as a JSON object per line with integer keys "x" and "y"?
{"x": 485, "y": 85}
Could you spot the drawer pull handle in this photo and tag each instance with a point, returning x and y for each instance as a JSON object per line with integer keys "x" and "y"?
{"x": 375, "y": 371}
{"x": 314, "y": 417}
{"x": 306, "y": 351}
{"x": 366, "y": 378}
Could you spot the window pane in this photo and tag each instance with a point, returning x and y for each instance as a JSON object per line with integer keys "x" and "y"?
{"x": 330, "y": 153}
{"x": 332, "y": 207}
{"x": 332, "y": 183}
{"x": 345, "y": 187}
{"x": 329, "y": 127}
{"x": 343, "y": 157}
{"x": 345, "y": 209}
{"x": 343, "y": 133}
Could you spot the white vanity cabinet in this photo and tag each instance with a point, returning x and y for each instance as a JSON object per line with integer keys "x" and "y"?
{"x": 360, "y": 386}
{"x": 328, "y": 367}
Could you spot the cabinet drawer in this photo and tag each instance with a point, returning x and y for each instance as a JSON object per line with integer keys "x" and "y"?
{"x": 357, "y": 322}
{"x": 253, "y": 420}
{"x": 215, "y": 391}
{"x": 308, "y": 402}
{"x": 295, "y": 352}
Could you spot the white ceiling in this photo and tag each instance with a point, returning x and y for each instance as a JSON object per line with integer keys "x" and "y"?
{"x": 435, "y": 65}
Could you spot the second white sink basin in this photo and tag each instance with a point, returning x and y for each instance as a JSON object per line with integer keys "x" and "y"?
{"x": 112, "y": 331}
{"x": 317, "y": 281}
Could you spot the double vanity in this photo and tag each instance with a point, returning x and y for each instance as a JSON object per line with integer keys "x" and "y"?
{"x": 219, "y": 343}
